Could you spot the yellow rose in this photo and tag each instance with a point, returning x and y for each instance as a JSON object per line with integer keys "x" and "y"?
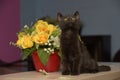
{"x": 51, "y": 28}
{"x": 19, "y": 42}
{"x": 25, "y": 42}
{"x": 40, "y": 38}
{"x": 21, "y": 34}
{"x": 41, "y": 26}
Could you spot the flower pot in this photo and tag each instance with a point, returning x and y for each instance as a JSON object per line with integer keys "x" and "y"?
{"x": 52, "y": 65}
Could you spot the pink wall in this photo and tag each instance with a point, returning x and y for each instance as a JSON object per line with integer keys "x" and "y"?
{"x": 9, "y": 26}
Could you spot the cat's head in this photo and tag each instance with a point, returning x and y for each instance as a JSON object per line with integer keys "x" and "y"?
{"x": 69, "y": 21}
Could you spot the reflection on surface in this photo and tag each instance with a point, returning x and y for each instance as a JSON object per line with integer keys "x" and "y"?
{"x": 19, "y": 66}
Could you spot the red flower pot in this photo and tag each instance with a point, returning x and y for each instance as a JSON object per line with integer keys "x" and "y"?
{"x": 52, "y": 65}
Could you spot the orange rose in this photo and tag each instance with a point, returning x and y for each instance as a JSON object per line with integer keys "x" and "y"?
{"x": 40, "y": 38}
{"x": 41, "y": 26}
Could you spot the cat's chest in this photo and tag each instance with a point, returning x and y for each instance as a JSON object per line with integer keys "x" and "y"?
{"x": 69, "y": 37}
{"x": 68, "y": 34}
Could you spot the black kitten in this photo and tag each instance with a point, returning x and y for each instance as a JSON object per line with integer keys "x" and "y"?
{"x": 75, "y": 56}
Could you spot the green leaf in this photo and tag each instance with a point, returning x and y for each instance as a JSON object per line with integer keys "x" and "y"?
{"x": 56, "y": 32}
{"x": 44, "y": 56}
{"x": 60, "y": 54}
{"x": 27, "y": 52}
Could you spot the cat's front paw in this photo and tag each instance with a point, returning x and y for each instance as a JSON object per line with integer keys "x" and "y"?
{"x": 65, "y": 73}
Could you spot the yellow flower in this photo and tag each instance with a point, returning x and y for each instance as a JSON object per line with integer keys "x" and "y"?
{"x": 41, "y": 25}
{"x": 40, "y": 38}
{"x": 19, "y": 42}
{"x": 21, "y": 34}
{"x": 51, "y": 28}
{"x": 25, "y": 42}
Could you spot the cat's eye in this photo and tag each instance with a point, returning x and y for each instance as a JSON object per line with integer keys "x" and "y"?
{"x": 73, "y": 19}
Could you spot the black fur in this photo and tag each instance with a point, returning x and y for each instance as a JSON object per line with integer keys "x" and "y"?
{"x": 75, "y": 56}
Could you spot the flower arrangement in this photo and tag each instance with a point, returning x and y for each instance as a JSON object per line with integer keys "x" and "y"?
{"x": 41, "y": 37}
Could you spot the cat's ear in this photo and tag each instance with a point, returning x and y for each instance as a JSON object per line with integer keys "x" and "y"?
{"x": 59, "y": 16}
{"x": 77, "y": 15}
